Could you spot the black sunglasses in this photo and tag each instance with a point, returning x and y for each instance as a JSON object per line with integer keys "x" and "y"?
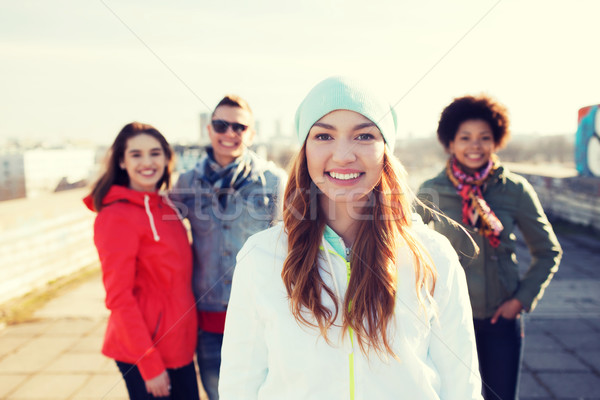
{"x": 220, "y": 126}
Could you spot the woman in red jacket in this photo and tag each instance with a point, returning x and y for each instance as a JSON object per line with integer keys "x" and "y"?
{"x": 147, "y": 269}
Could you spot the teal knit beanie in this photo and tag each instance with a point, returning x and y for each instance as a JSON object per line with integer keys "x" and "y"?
{"x": 342, "y": 93}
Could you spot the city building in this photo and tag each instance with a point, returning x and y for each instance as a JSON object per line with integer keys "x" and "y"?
{"x": 12, "y": 176}
{"x": 204, "y": 121}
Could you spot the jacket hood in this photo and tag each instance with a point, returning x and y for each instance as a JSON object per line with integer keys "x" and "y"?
{"x": 122, "y": 193}
{"x": 89, "y": 203}
{"x": 143, "y": 199}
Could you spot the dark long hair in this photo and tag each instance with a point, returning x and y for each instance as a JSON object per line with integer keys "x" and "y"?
{"x": 114, "y": 175}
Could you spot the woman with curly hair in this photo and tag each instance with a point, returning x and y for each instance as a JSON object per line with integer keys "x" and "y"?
{"x": 476, "y": 190}
{"x": 351, "y": 297}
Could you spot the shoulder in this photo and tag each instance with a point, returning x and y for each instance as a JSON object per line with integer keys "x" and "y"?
{"x": 275, "y": 174}
{"x": 439, "y": 180}
{"x": 272, "y": 173}
{"x": 121, "y": 213}
{"x": 514, "y": 184}
{"x": 436, "y": 244}
{"x": 269, "y": 243}
{"x": 185, "y": 179}
{"x": 260, "y": 261}
{"x": 440, "y": 250}
{"x": 511, "y": 178}
{"x": 120, "y": 210}
{"x": 119, "y": 221}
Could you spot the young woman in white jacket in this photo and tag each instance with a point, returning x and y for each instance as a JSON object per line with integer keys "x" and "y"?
{"x": 351, "y": 297}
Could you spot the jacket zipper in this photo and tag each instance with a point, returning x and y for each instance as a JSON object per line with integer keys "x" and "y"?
{"x": 351, "y": 333}
{"x": 350, "y": 330}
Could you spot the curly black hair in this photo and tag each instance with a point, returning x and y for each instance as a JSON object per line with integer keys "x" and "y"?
{"x": 481, "y": 107}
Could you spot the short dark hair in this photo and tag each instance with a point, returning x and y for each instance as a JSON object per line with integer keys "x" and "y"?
{"x": 481, "y": 107}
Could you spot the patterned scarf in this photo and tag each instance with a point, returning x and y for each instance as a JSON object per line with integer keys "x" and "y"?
{"x": 476, "y": 212}
{"x": 228, "y": 179}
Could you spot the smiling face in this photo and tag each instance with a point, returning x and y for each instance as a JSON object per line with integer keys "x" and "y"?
{"x": 473, "y": 144}
{"x": 229, "y": 145}
{"x": 145, "y": 162}
{"x": 344, "y": 154}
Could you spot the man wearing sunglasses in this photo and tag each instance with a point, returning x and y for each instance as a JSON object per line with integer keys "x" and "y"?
{"x": 230, "y": 195}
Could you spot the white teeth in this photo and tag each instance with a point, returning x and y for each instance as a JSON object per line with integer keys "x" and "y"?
{"x": 228, "y": 144}
{"x": 344, "y": 177}
{"x": 147, "y": 172}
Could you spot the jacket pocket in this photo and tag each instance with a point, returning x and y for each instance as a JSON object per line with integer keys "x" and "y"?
{"x": 157, "y": 326}
{"x": 152, "y": 311}
{"x": 508, "y": 274}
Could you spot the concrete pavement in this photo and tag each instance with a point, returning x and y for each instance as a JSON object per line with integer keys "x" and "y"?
{"x": 562, "y": 335}
{"x": 57, "y": 356}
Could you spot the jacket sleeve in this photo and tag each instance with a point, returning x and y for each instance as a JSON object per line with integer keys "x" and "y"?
{"x": 452, "y": 347}
{"x": 424, "y": 203}
{"x": 244, "y": 352}
{"x": 430, "y": 212}
{"x": 543, "y": 246}
{"x": 117, "y": 242}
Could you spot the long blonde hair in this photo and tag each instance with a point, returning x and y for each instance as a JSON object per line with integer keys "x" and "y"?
{"x": 368, "y": 306}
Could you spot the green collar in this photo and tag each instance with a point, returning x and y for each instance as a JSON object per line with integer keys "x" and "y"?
{"x": 335, "y": 241}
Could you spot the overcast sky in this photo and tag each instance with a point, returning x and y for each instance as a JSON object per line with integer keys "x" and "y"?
{"x": 81, "y": 69}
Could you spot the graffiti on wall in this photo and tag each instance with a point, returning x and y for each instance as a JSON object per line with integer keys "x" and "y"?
{"x": 587, "y": 142}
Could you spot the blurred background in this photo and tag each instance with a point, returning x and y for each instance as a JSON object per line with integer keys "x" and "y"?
{"x": 73, "y": 73}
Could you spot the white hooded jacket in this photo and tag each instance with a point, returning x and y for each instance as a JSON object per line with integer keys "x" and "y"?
{"x": 267, "y": 354}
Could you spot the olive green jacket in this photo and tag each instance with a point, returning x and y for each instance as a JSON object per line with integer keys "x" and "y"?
{"x": 492, "y": 275}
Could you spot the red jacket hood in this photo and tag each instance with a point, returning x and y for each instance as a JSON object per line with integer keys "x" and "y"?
{"x": 122, "y": 193}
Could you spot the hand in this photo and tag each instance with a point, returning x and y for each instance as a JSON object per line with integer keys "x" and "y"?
{"x": 159, "y": 386}
{"x": 510, "y": 309}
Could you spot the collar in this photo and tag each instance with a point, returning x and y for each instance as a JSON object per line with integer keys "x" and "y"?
{"x": 210, "y": 154}
{"x": 498, "y": 175}
{"x": 336, "y": 242}
{"x": 254, "y": 160}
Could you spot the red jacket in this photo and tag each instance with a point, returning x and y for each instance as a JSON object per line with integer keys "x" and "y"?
{"x": 147, "y": 272}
